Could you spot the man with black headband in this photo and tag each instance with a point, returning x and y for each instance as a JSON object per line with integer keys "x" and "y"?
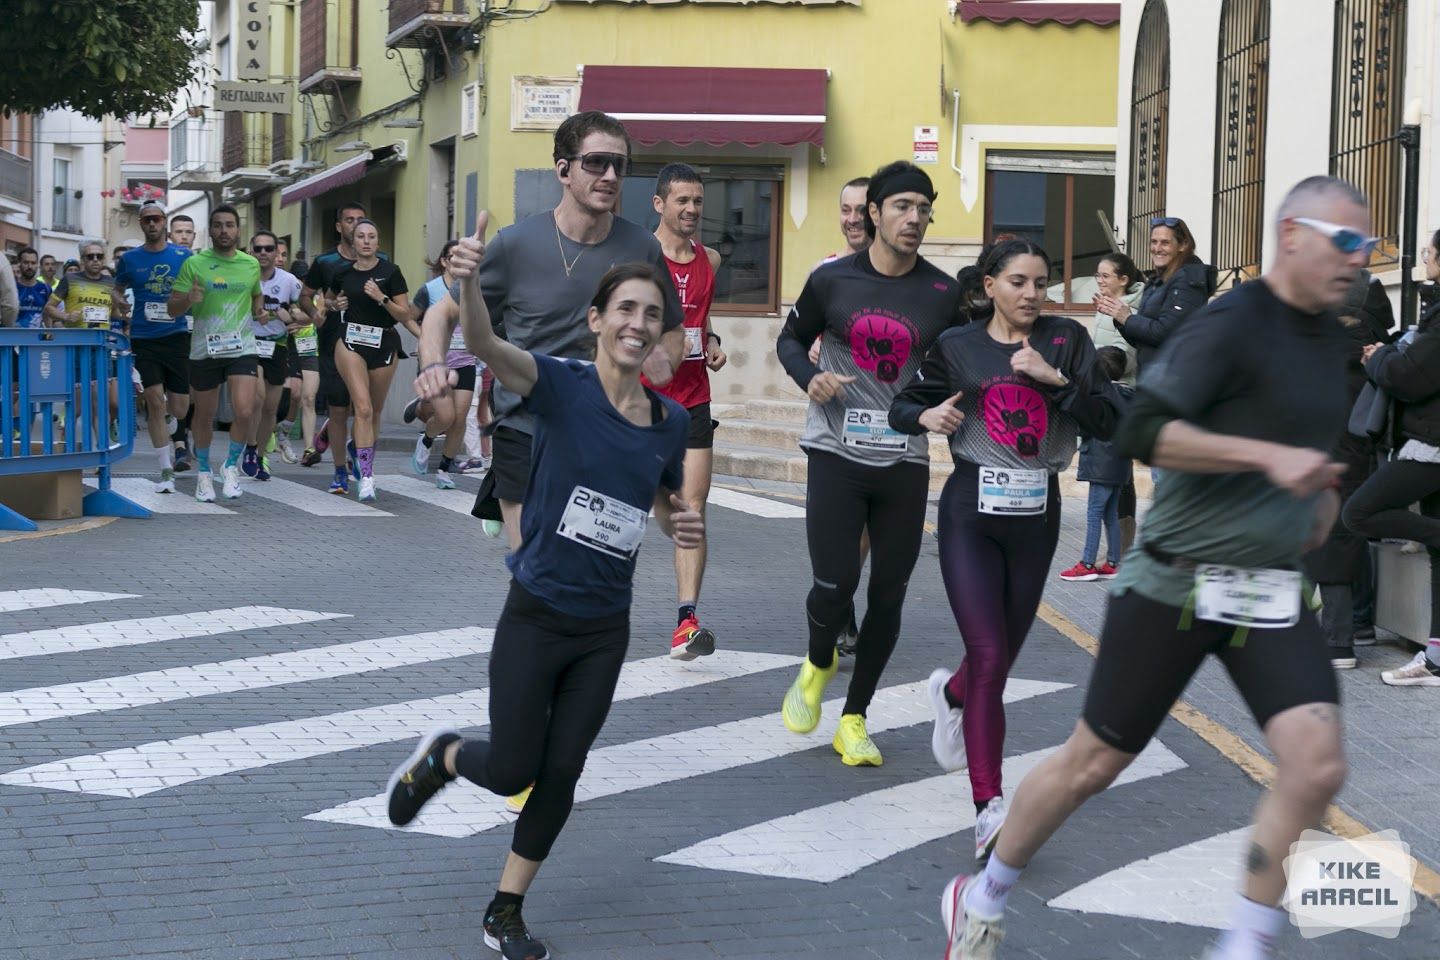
{"x": 878, "y": 312}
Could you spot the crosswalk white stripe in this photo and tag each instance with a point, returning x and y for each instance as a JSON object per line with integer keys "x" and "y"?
{"x": 150, "y": 767}
{"x": 142, "y": 491}
{"x": 35, "y": 598}
{"x": 310, "y": 500}
{"x": 758, "y": 506}
{"x": 230, "y": 676}
{"x": 826, "y": 843}
{"x": 464, "y": 809}
{"x": 413, "y": 488}
{"x": 126, "y": 633}
{"x": 1194, "y": 884}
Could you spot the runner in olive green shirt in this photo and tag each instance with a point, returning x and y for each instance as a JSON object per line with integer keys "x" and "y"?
{"x": 220, "y": 287}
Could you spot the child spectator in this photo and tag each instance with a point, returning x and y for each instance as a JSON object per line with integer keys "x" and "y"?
{"x": 1107, "y": 472}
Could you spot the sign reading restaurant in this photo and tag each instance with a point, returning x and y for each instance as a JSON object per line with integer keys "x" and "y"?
{"x": 254, "y": 97}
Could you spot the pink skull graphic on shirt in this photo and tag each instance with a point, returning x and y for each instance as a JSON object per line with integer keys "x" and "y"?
{"x": 881, "y": 344}
{"x": 1015, "y": 416}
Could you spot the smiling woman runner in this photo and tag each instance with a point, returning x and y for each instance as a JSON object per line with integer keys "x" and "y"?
{"x": 606, "y": 449}
{"x": 1010, "y": 394}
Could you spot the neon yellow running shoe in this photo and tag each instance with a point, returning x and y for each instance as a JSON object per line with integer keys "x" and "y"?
{"x": 517, "y": 803}
{"x": 801, "y": 711}
{"x": 853, "y": 743}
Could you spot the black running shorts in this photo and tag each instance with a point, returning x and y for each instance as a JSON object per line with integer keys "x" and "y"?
{"x": 165, "y": 361}
{"x": 465, "y": 379}
{"x": 1146, "y": 661}
{"x": 275, "y": 368}
{"x": 209, "y": 373}
{"x": 701, "y": 435}
{"x": 510, "y": 464}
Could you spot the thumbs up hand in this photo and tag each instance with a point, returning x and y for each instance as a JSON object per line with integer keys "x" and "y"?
{"x": 943, "y": 418}
{"x": 687, "y": 525}
{"x": 466, "y": 255}
{"x": 1029, "y": 362}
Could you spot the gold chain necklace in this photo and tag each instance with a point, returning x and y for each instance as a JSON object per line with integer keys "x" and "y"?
{"x": 568, "y": 264}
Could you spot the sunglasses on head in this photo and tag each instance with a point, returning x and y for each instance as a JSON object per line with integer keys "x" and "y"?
{"x": 597, "y": 163}
{"x": 259, "y": 249}
{"x": 1344, "y": 239}
{"x": 93, "y": 256}
{"x": 1171, "y": 222}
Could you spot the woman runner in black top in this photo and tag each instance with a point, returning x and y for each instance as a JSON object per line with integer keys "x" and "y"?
{"x": 367, "y": 343}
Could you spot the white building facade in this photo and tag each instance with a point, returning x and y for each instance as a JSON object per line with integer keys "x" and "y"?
{"x": 1225, "y": 104}
{"x": 70, "y": 176}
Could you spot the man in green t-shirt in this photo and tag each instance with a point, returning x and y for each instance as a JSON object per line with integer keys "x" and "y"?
{"x": 220, "y": 288}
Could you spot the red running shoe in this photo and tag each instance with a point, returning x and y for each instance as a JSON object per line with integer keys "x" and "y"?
{"x": 1082, "y": 572}
{"x": 691, "y": 640}
{"x": 1107, "y": 571}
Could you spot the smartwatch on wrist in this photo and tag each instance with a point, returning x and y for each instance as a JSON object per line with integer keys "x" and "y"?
{"x": 713, "y": 335}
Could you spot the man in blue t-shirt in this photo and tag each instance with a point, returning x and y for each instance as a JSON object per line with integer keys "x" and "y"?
{"x": 34, "y": 293}
{"x": 161, "y": 344}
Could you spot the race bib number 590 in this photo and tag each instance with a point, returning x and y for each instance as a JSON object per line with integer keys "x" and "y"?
{"x": 602, "y": 523}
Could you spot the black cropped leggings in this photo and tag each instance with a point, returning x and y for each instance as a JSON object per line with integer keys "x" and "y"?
{"x": 552, "y": 678}
{"x": 842, "y": 499}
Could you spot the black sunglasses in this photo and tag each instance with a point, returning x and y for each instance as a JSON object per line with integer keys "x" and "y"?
{"x": 260, "y": 249}
{"x": 597, "y": 163}
{"x": 94, "y": 256}
{"x": 152, "y": 219}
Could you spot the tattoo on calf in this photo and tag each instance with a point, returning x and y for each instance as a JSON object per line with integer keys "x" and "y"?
{"x": 1257, "y": 861}
{"x": 1326, "y": 712}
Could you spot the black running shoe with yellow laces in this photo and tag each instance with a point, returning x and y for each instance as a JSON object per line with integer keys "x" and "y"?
{"x": 421, "y": 776}
{"x": 505, "y": 931}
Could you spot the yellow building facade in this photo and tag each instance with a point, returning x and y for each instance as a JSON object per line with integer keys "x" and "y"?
{"x": 430, "y": 110}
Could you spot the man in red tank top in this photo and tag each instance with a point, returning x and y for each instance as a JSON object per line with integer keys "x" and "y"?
{"x": 680, "y": 201}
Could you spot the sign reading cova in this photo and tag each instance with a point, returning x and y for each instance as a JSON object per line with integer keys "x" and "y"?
{"x": 253, "y": 50}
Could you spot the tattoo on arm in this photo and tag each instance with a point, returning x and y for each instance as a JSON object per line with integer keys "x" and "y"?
{"x": 1257, "y": 860}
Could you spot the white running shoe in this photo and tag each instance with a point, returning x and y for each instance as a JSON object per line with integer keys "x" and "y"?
{"x": 205, "y": 486}
{"x": 1419, "y": 672}
{"x": 492, "y": 528}
{"x": 367, "y": 489}
{"x": 969, "y": 937}
{"x": 287, "y": 452}
{"x": 231, "y": 488}
{"x": 947, "y": 742}
{"x": 443, "y": 481}
{"x": 420, "y": 459}
{"x": 987, "y": 826}
{"x": 167, "y": 482}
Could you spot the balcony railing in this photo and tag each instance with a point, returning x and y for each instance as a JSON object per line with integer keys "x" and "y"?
{"x": 15, "y": 177}
{"x": 422, "y": 22}
{"x": 194, "y": 152}
{"x": 248, "y": 142}
{"x": 329, "y": 43}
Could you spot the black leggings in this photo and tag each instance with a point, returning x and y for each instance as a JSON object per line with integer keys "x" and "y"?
{"x": 1381, "y": 508}
{"x": 842, "y": 499}
{"x": 1146, "y": 660}
{"x": 552, "y": 677}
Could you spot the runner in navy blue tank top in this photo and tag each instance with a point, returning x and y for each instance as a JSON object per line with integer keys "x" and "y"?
{"x": 607, "y": 450}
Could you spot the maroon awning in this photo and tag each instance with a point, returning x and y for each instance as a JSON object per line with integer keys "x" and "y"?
{"x": 337, "y": 176}
{"x": 711, "y": 105}
{"x": 1100, "y": 12}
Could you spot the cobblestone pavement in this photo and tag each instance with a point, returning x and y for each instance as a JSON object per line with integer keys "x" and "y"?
{"x": 199, "y": 711}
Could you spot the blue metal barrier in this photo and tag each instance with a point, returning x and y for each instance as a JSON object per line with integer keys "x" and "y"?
{"x": 64, "y": 376}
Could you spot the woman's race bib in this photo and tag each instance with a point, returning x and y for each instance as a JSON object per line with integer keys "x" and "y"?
{"x": 363, "y": 335}
{"x": 265, "y": 348}
{"x": 457, "y": 338}
{"x": 694, "y": 343}
{"x": 1013, "y": 493}
{"x": 602, "y": 523}
{"x": 1240, "y": 597}
{"x": 870, "y": 430}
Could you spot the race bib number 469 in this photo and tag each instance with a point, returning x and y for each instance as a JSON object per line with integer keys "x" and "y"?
{"x": 602, "y": 523}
